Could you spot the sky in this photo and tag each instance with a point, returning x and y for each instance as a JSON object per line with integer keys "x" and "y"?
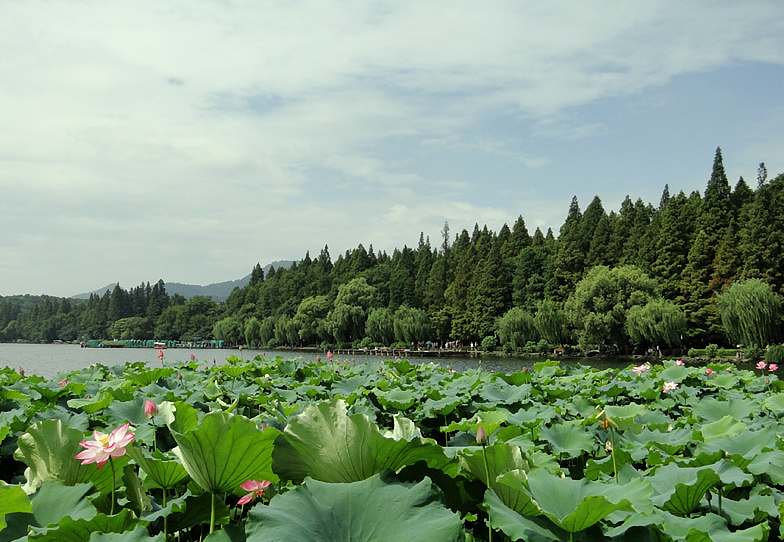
{"x": 188, "y": 140}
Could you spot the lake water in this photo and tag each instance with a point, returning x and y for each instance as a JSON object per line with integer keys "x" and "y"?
{"x": 49, "y": 360}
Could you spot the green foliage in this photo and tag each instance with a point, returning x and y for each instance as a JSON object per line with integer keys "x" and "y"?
{"x": 600, "y": 304}
{"x": 753, "y": 353}
{"x": 658, "y": 322}
{"x": 378, "y": 509}
{"x": 751, "y": 313}
{"x": 775, "y": 354}
{"x": 489, "y": 343}
{"x": 711, "y": 351}
{"x": 516, "y": 328}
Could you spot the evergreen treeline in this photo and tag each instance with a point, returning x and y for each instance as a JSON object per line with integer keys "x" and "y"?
{"x": 639, "y": 277}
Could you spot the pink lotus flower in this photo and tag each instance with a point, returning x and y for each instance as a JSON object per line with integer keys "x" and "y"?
{"x": 708, "y": 371}
{"x": 638, "y": 370}
{"x": 481, "y": 436}
{"x": 679, "y": 362}
{"x": 105, "y": 446}
{"x": 193, "y": 357}
{"x": 63, "y": 382}
{"x": 21, "y": 371}
{"x": 772, "y": 367}
{"x": 150, "y": 409}
{"x": 255, "y": 488}
{"x": 761, "y": 365}
{"x": 160, "y": 354}
{"x": 669, "y": 386}
{"x": 330, "y": 355}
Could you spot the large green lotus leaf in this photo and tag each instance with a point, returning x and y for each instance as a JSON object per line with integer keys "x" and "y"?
{"x": 377, "y": 509}
{"x": 92, "y": 405}
{"x": 623, "y": 416}
{"x": 225, "y": 451}
{"x": 533, "y": 415}
{"x": 12, "y": 500}
{"x": 351, "y": 385}
{"x": 709, "y": 528}
{"x": 674, "y": 373}
{"x": 711, "y": 409}
{"x": 519, "y": 527}
{"x": 127, "y": 411}
{"x": 725, "y": 427}
{"x": 327, "y": 444}
{"x": 568, "y": 438}
{"x": 501, "y": 457}
{"x": 54, "y": 501}
{"x": 397, "y": 398}
{"x": 575, "y": 505}
{"x": 139, "y": 534}
{"x": 672, "y": 442}
{"x": 80, "y": 530}
{"x": 774, "y": 403}
{"x": 742, "y": 448}
{"x": 442, "y": 407}
{"x": 679, "y": 490}
{"x": 769, "y": 464}
{"x": 501, "y": 393}
{"x": 146, "y": 377}
{"x": 756, "y": 509}
{"x": 179, "y": 416}
{"x": 48, "y": 449}
{"x": 166, "y": 472}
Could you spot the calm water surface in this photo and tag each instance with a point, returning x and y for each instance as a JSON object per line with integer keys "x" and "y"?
{"x": 50, "y": 360}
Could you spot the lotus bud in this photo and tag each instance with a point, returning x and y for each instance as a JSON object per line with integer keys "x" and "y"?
{"x": 481, "y": 436}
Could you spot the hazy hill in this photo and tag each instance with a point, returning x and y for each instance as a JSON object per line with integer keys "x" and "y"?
{"x": 218, "y": 291}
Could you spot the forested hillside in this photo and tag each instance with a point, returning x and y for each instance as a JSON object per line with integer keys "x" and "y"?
{"x": 644, "y": 275}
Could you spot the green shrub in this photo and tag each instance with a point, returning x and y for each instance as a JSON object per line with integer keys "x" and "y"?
{"x": 753, "y": 353}
{"x": 775, "y": 354}
{"x": 711, "y": 350}
{"x": 530, "y": 347}
{"x": 489, "y": 343}
{"x": 507, "y": 348}
{"x": 694, "y": 353}
{"x": 272, "y": 343}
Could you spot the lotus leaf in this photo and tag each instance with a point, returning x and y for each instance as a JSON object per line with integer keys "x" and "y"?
{"x": 709, "y": 528}
{"x": 725, "y": 427}
{"x": 575, "y": 505}
{"x": 225, "y": 451}
{"x": 165, "y": 472}
{"x": 48, "y": 449}
{"x": 520, "y": 527}
{"x": 501, "y": 458}
{"x": 377, "y": 509}
{"x": 569, "y": 439}
{"x": 12, "y": 500}
{"x": 327, "y": 444}
{"x": 94, "y": 404}
{"x": 679, "y": 490}
{"x": 81, "y": 530}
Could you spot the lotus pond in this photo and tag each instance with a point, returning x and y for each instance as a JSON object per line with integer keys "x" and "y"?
{"x": 281, "y": 450}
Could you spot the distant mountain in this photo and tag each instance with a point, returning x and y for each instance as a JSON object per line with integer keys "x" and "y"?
{"x": 218, "y": 291}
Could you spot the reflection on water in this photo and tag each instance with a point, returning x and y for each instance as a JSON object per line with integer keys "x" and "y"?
{"x": 49, "y": 360}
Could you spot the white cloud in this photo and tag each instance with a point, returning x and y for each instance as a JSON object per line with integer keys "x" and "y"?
{"x": 194, "y": 123}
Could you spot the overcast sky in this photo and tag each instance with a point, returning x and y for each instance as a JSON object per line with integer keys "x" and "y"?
{"x": 189, "y": 140}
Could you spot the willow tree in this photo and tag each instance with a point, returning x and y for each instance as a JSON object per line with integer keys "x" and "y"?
{"x": 751, "y": 313}
{"x": 657, "y": 322}
{"x": 516, "y": 328}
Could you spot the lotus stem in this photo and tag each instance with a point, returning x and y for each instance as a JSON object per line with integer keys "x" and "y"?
{"x": 111, "y": 505}
{"x": 165, "y": 517}
{"x": 212, "y": 512}
{"x": 487, "y": 476}
{"x": 612, "y": 452}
